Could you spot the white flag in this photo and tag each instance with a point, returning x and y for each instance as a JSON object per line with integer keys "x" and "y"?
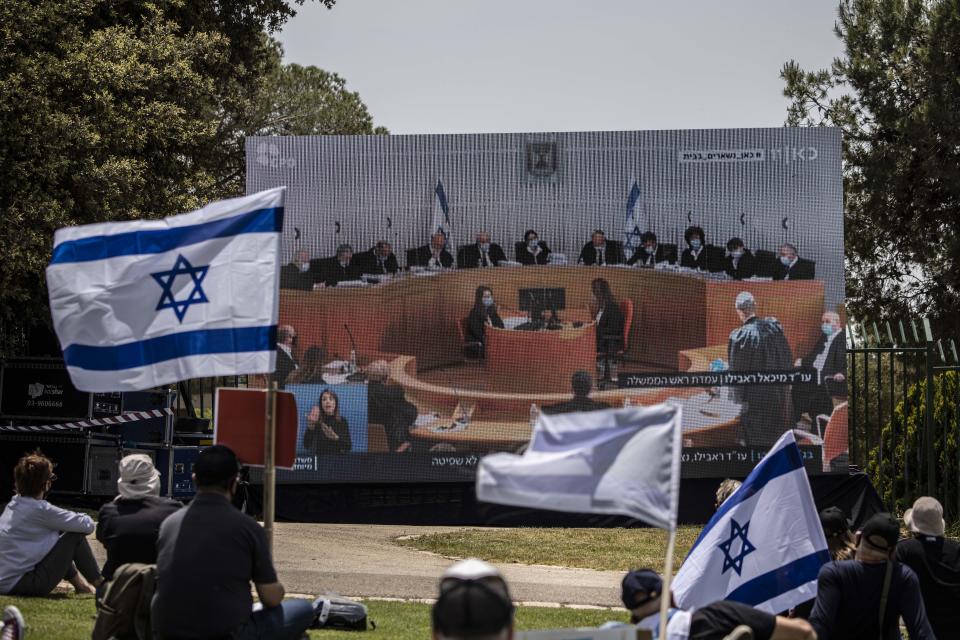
{"x": 149, "y": 302}
{"x": 764, "y": 546}
{"x": 617, "y": 461}
{"x": 441, "y": 213}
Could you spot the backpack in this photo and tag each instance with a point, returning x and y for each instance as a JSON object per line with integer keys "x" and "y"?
{"x": 124, "y": 612}
{"x": 336, "y": 612}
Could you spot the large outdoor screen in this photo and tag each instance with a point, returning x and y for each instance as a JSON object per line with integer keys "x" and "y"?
{"x": 440, "y": 292}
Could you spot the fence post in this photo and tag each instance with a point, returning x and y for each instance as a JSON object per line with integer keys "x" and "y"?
{"x": 928, "y": 422}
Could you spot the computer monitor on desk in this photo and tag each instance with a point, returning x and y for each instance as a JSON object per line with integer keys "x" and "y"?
{"x": 536, "y": 301}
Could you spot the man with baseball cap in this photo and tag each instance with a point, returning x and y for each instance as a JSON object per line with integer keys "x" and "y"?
{"x": 865, "y": 598}
{"x": 641, "y": 591}
{"x": 936, "y": 561}
{"x": 473, "y": 603}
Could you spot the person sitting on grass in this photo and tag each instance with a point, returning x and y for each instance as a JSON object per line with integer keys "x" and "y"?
{"x": 641, "y": 592}
{"x": 208, "y": 554}
{"x": 128, "y": 525}
{"x": 41, "y": 544}
{"x": 473, "y": 603}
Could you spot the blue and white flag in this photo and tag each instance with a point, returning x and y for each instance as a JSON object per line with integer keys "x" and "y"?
{"x": 764, "y": 546}
{"x": 149, "y": 302}
{"x": 616, "y": 461}
{"x": 441, "y": 213}
{"x": 631, "y": 231}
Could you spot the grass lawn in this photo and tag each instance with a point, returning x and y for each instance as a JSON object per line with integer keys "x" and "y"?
{"x": 615, "y": 549}
{"x": 70, "y": 617}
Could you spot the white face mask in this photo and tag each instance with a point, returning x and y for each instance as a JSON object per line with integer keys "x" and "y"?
{"x": 736, "y": 254}
{"x": 533, "y": 244}
{"x": 485, "y": 246}
{"x": 650, "y": 250}
{"x": 344, "y": 264}
{"x": 304, "y": 267}
{"x": 487, "y": 301}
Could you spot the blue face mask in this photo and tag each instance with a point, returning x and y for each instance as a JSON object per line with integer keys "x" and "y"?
{"x": 785, "y": 260}
{"x": 485, "y": 246}
{"x": 650, "y": 250}
{"x": 533, "y": 244}
{"x": 827, "y": 329}
{"x": 736, "y": 254}
{"x": 487, "y": 301}
{"x": 695, "y": 243}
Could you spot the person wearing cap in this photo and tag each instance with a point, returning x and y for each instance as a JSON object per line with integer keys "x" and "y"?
{"x": 641, "y": 592}
{"x": 759, "y": 344}
{"x": 473, "y": 603}
{"x": 208, "y": 554}
{"x": 128, "y": 525}
{"x": 936, "y": 561}
{"x": 865, "y": 598}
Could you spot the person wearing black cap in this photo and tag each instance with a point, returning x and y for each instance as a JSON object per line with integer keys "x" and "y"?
{"x": 640, "y": 592}
{"x": 208, "y": 554}
{"x": 473, "y": 603}
{"x": 866, "y": 597}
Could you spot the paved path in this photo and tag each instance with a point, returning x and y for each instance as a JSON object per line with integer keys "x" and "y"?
{"x": 363, "y": 560}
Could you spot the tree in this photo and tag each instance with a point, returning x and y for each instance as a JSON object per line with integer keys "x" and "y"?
{"x": 896, "y": 98}
{"x": 120, "y": 110}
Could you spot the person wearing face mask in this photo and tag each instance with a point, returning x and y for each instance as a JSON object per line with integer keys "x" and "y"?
{"x": 482, "y": 315}
{"x": 379, "y": 260}
{"x": 829, "y": 358}
{"x": 695, "y": 255}
{"x": 300, "y": 274}
{"x": 790, "y": 266}
{"x": 600, "y": 251}
{"x": 433, "y": 255}
{"x": 340, "y": 268}
{"x": 532, "y": 250}
{"x": 651, "y": 253}
{"x": 482, "y": 253}
{"x": 739, "y": 261}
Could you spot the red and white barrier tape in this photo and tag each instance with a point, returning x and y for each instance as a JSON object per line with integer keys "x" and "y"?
{"x": 131, "y": 416}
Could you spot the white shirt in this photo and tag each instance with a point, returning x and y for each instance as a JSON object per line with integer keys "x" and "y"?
{"x": 678, "y": 624}
{"x": 821, "y": 358}
{"x": 29, "y": 528}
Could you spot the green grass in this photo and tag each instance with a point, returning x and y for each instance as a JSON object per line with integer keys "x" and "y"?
{"x": 70, "y": 617}
{"x": 614, "y": 549}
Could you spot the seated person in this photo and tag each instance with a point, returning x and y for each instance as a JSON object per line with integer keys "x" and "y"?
{"x": 829, "y": 358}
{"x": 300, "y": 274}
{"x": 791, "y": 266}
{"x": 433, "y": 255}
{"x": 695, "y": 255}
{"x": 600, "y": 251}
{"x": 387, "y": 405}
{"x": 208, "y": 553}
{"x": 532, "y": 250}
{"x": 582, "y": 384}
{"x": 41, "y": 544}
{"x": 642, "y": 590}
{"x": 128, "y": 525}
{"x": 482, "y": 315}
{"x": 379, "y": 260}
{"x": 481, "y": 254}
{"x": 650, "y": 253}
{"x": 738, "y": 264}
{"x": 473, "y": 604}
{"x": 336, "y": 270}
{"x": 610, "y": 324}
{"x": 327, "y": 431}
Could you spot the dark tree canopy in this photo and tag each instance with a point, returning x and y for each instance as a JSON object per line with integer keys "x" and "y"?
{"x": 896, "y": 96}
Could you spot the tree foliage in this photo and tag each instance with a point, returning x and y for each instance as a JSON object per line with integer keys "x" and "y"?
{"x": 136, "y": 109}
{"x": 896, "y": 97}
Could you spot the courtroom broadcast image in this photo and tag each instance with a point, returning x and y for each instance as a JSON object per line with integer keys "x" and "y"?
{"x": 440, "y": 293}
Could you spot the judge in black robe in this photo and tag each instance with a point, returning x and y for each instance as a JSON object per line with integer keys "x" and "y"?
{"x": 738, "y": 263}
{"x": 482, "y": 253}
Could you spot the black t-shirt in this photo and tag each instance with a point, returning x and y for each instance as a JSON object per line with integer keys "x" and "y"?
{"x": 209, "y": 553}
{"x": 128, "y": 529}
{"x": 848, "y": 602}
{"x": 936, "y": 561}
{"x": 716, "y": 620}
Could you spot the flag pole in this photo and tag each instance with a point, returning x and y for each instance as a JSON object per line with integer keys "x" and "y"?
{"x": 269, "y": 462}
{"x": 666, "y": 597}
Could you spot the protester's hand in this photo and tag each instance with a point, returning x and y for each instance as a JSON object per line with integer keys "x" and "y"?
{"x": 328, "y": 432}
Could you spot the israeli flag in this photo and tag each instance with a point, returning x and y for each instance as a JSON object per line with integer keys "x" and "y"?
{"x": 441, "y": 213}
{"x": 631, "y": 231}
{"x": 149, "y": 302}
{"x": 616, "y": 461}
{"x": 764, "y": 546}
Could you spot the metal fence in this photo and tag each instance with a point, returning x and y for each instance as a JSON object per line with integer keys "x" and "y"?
{"x": 904, "y": 427}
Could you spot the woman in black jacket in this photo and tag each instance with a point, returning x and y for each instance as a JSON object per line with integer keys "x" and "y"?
{"x": 327, "y": 431}
{"x": 532, "y": 250}
{"x": 609, "y": 321}
{"x": 483, "y": 314}
{"x": 695, "y": 255}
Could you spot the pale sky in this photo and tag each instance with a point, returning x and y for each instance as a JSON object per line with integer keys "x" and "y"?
{"x": 451, "y": 66}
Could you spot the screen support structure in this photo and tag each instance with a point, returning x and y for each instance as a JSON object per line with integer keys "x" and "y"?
{"x": 269, "y": 463}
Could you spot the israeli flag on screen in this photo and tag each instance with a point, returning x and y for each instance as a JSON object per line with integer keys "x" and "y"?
{"x": 631, "y": 231}
{"x": 441, "y": 213}
{"x": 149, "y": 302}
{"x": 764, "y": 546}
